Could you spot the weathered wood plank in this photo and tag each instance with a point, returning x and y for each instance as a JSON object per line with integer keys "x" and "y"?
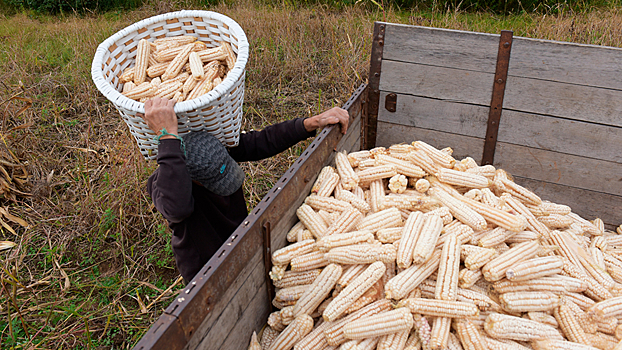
{"x": 581, "y": 64}
{"x": 559, "y": 168}
{"x": 441, "y": 47}
{"x": 588, "y": 204}
{"x": 440, "y": 83}
{"x": 583, "y": 103}
{"x": 210, "y": 320}
{"x": 525, "y": 129}
{"x": 223, "y": 324}
{"x": 558, "y": 61}
{"x": 239, "y": 337}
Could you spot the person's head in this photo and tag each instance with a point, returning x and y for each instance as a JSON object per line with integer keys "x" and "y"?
{"x": 209, "y": 164}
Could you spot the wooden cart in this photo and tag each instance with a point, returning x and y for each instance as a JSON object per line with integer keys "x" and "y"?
{"x": 548, "y": 112}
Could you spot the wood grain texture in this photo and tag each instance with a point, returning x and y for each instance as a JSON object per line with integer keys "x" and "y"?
{"x": 441, "y": 47}
{"x": 558, "y": 61}
{"x": 588, "y": 204}
{"x": 576, "y": 102}
{"x": 524, "y": 129}
{"x": 220, "y": 325}
{"x": 559, "y": 168}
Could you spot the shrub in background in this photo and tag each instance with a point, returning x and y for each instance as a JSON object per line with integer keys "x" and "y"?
{"x": 79, "y": 6}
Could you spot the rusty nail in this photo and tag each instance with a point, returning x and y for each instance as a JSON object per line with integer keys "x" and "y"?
{"x": 306, "y": 179}
{"x": 382, "y": 26}
{"x": 381, "y": 42}
{"x": 377, "y": 74}
{"x": 506, "y": 44}
{"x": 499, "y": 81}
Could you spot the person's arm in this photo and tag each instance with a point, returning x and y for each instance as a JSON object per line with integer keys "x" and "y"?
{"x": 274, "y": 139}
{"x": 170, "y": 186}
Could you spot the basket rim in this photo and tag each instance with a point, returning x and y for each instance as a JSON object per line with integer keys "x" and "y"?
{"x": 124, "y": 102}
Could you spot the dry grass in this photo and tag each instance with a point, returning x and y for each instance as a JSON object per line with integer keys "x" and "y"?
{"x": 93, "y": 268}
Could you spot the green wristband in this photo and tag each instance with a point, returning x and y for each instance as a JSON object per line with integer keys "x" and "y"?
{"x": 163, "y": 132}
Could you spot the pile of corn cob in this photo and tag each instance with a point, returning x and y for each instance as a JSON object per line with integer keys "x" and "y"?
{"x": 407, "y": 248}
{"x": 179, "y": 68}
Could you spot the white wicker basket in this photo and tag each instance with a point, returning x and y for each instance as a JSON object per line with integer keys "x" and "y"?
{"x": 218, "y": 112}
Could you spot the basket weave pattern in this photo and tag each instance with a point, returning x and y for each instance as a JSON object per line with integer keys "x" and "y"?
{"x": 218, "y": 112}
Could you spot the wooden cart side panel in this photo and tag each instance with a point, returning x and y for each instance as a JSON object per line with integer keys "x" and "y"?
{"x": 580, "y": 64}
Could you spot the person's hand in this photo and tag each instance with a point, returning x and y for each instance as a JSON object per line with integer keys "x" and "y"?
{"x": 159, "y": 114}
{"x": 332, "y": 116}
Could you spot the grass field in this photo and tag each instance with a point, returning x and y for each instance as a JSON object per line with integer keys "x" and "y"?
{"x": 93, "y": 266}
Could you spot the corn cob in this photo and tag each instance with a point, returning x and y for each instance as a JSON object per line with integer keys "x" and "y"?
{"x": 532, "y": 223}
{"x": 440, "y": 158}
{"x": 327, "y": 243}
{"x": 487, "y": 171}
{"x": 201, "y": 88}
{"x": 327, "y": 186}
{"x": 267, "y": 338}
{"x": 295, "y": 278}
{"x": 349, "y": 274}
{"x": 314, "y": 340}
{"x": 502, "y": 344}
{"x": 611, "y": 307}
{"x": 287, "y": 315}
{"x": 602, "y": 341}
{"x": 356, "y": 157}
{"x": 479, "y": 258}
{"x": 383, "y": 219}
{"x": 599, "y": 275}
{"x": 376, "y": 173}
{"x": 580, "y": 300}
{"x": 422, "y": 185}
{"x": 381, "y": 324}
{"x": 496, "y": 268}
{"x": 542, "y": 317}
{"x": 362, "y": 254}
{"x": 467, "y": 277}
{"x": 318, "y": 291}
{"x": 351, "y": 198}
{"x": 398, "y": 183}
{"x": 344, "y": 222}
{"x": 394, "y": 341}
{"x": 349, "y": 179}
{"x": 292, "y": 234}
{"x": 459, "y": 210}
{"x": 422, "y": 160}
{"x": 554, "y": 344}
{"x": 276, "y": 322}
{"x": 516, "y": 328}
{"x": 516, "y": 190}
{"x": 196, "y": 66}
{"x": 453, "y": 343}
{"x": 474, "y": 194}
{"x": 230, "y": 59}
{"x": 128, "y": 75}
{"x": 325, "y": 173}
{"x": 354, "y": 290}
{"x": 372, "y": 294}
{"x": 254, "y": 344}
{"x": 534, "y": 268}
{"x": 178, "y": 62}
{"x": 439, "y": 337}
{"x": 606, "y": 325}
{"x": 291, "y": 293}
{"x": 212, "y": 54}
{"x": 294, "y": 332}
{"x": 284, "y": 255}
{"x": 335, "y": 330}
{"x": 127, "y": 87}
{"x": 312, "y": 221}
{"x": 327, "y": 203}
{"x": 426, "y": 240}
{"x": 555, "y": 221}
{"x": 523, "y": 236}
{"x": 142, "y": 61}
{"x": 439, "y": 308}
{"x": 528, "y": 301}
{"x": 463, "y": 232}
{"x": 404, "y": 282}
{"x": 461, "y": 178}
{"x": 402, "y": 167}
{"x": 586, "y": 225}
{"x": 447, "y": 280}
{"x": 469, "y": 335}
{"x": 179, "y": 40}
{"x": 483, "y": 301}
{"x": 142, "y": 90}
{"x": 309, "y": 261}
{"x": 494, "y": 237}
{"x": 411, "y": 231}
{"x": 543, "y": 284}
{"x": 389, "y": 235}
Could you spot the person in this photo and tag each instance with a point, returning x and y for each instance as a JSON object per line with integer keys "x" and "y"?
{"x": 197, "y": 186}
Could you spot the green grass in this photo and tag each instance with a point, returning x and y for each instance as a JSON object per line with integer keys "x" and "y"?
{"x": 97, "y": 245}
